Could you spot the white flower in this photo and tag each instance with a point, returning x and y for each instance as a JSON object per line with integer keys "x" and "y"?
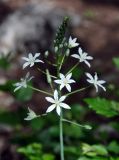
{"x": 83, "y": 57}
{"x": 57, "y": 103}
{"x": 23, "y": 82}
{"x": 72, "y": 42}
{"x": 31, "y": 115}
{"x": 64, "y": 81}
{"x": 94, "y": 80}
{"x": 31, "y": 60}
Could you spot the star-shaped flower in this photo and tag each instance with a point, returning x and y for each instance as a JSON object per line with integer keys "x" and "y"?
{"x": 23, "y": 82}
{"x": 64, "y": 81}
{"x": 83, "y": 57}
{"x": 94, "y": 80}
{"x": 31, "y": 60}
{"x": 57, "y": 103}
{"x": 31, "y": 115}
{"x": 72, "y": 42}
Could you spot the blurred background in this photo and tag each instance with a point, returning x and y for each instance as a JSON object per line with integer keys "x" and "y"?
{"x": 30, "y": 26}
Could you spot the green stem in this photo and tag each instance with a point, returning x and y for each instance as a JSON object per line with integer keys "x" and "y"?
{"x": 76, "y": 91}
{"x": 41, "y": 91}
{"x": 73, "y": 68}
{"x": 61, "y": 116}
{"x": 77, "y": 124}
{"x": 46, "y": 73}
{"x": 61, "y": 137}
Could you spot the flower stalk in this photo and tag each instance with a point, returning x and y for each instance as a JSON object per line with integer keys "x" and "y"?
{"x": 59, "y": 81}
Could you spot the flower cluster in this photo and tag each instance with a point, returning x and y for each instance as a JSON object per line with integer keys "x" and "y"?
{"x": 61, "y": 80}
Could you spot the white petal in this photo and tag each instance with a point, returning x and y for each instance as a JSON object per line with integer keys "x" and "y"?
{"x": 30, "y": 56}
{"x": 75, "y": 56}
{"x": 96, "y": 87}
{"x": 90, "y": 81}
{"x": 25, "y": 58}
{"x": 101, "y": 81}
{"x": 64, "y": 105}
{"x": 88, "y": 64}
{"x": 70, "y": 40}
{"x": 74, "y": 40}
{"x": 62, "y": 98}
{"x": 49, "y": 99}
{"x": 51, "y": 108}
{"x": 71, "y": 81}
{"x": 80, "y": 51}
{"x": 62, "y": 76}
{"x": 96, "y": 77}
{"x": 68, "y": 87}
{"x": 58, "y": 81}
{"x": 102, "y": 87}
{"x": 37, "y": 60}
{"x": 31, "y": 64}
{"x": 37, "y": 55}
{"x": 89, "y": 76}
{"x": 17, "y": 88}
{"x": 25, "y": 64}
{"x": 61, "y": 86}
{"x": 69, "y": 76}
{"x": 58, "y": 110}
{"x": 56, "y": 95}
{"x": 89, "y": 58}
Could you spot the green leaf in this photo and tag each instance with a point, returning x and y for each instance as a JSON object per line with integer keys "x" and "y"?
{"x": 4, "y": 61}
{"x": 113, "y": 147}
{"x": 94, "y": 150}
{"x": 103, "y": 106}
{"x": 48, "y": 157}
{"x": 116, "y": 61}
{"x": 24, "y": 94}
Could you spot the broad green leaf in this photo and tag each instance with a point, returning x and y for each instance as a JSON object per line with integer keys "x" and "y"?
{"x": 94, "y": 150}
{"x": 113, "y": 147}
{"x": 24, "y": 94}
{"x": 103, "y": 106}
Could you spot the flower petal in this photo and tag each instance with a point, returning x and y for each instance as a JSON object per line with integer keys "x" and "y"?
{"x": 88, "y": 64}
{"x": 62, "y": 98}
{"x": 25, "y": 58}
{"x": 64, "y": 105}
{"x": 75, "y": 56}
{"x": 62, "y": 76}
{"x": 49, "y": 99}
{"x": 30, "y": 56}
{"x": 89, "y": 76}
{"x": 68, "y": 87}
{"x": 37, "y": 55}
{"x": 89, "y": 58}
{"x": 69, "y": 76}
{"x": 31, "y": 64}
{"x": 38, "y": 60}
{"x": 25, "y": 64}
{"x": 56, "y": 95}
{"x": 101, "y": 81}
{"x": 62, "y": 86}
{"x": 51, "y": 108}
{"x": 58, "y": 81}
{"x": 80, "y": 51}
{"x": 102, "y": 87}
{"x": 71, "y": 81}
{"x": 58, "y": 110}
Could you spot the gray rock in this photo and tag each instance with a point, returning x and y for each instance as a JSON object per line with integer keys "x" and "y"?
{"x": 32, "y": 28}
